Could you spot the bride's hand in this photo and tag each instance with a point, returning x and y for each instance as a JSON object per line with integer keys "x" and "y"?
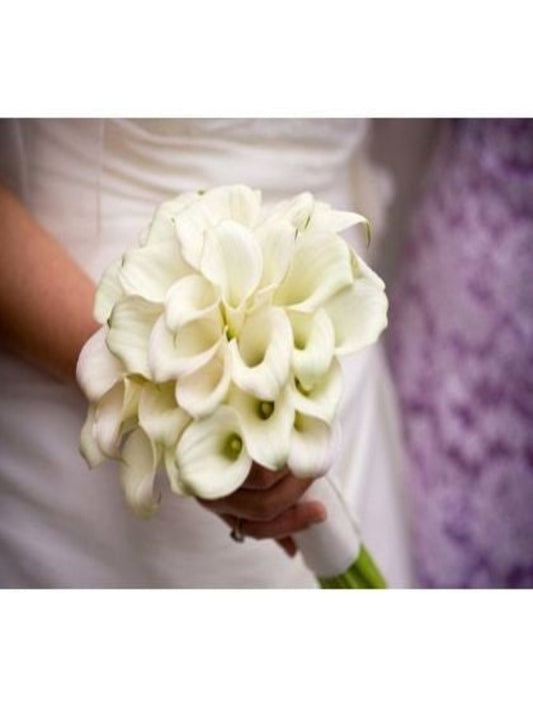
{"x": 268, "y": 505}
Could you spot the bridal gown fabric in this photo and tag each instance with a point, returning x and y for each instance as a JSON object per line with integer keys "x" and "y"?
{"x": 94, "y": 185}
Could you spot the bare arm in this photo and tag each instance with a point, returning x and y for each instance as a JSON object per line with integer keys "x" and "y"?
{"x": 45, "y": 297}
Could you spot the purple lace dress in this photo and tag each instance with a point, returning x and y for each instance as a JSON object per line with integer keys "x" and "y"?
{"x": 461, "y": 348}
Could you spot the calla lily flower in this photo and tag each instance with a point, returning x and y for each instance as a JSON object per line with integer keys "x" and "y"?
{"x": 113, "y": 413}
{"x": 320, "y": 268}
{"x": 137, "y": 474}
{"x": 159, "y": 414}
{"x": 276, "y": 238}
{"x": 324, "y": 219}
{"x": 313, "y": 446}
{"x": 201, "y": 392}
{"x": 358, "y": 312}
{"x": 192, "y": 297}
{"x": 174, "y": 354}
{"x": 108, "y": 420}
{"x": 108, "y": 293}
{"x": 88, "y": 446}
{"x": 266, "y": 426}
{"x": 323, "y": 398}
{"x": 130, "y": 326}
{"x": 261, "y": 354}
{"x": 232, "y": 260}
{"x": 163, "y": 224}
{"x": 97, "y": 369}
{"x": 170, "y": 209}
{"x": 314, "y": 345}
{"x": 211, "y": 455}
{"x": 297, "y": 210}
{"x": 238, "y": 203}
{"x": 150, "y": 271}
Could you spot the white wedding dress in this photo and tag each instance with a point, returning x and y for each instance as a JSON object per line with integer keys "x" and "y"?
{"x": 93, "y": 184}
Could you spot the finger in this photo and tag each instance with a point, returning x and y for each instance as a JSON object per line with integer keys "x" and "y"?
{"x": 261, "y": 505}
{"x": 261, "y": 478}
{"x": 292, "y": 521}
{"x": 288, "y": 545}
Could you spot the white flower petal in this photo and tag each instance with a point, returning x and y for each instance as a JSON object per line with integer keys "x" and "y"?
{"x": 261, "y": 355}
{"x": 150, "y": 271}
{"x": 322, "y": 400}
{"x": 192, "y": 223}
{"x": 159, "y": 415}
{"x": 143, "y": 236}
{"x": 173, "y": 473}
{"x": 112, "y": 412}
{"x": 137, "y": 474}
{"x": 358, "y": 312}
{"x": 321, "y": 267}
{"x": 190, "y": 298}
{"x": 163, "y": 224}
{"x": 236, "y": 201}
{"x": 130, "y": 326}
{"x": 232, "y": 260}
{"x": 89, "y": 448}
{"x": 314, "y": 445}
{"x": 297, "y": 210}
{"x": 361, "y": 270}
{"x": 97, "y": 369}
{"x": 314, "y": 344}
{"x": 172, "y": 354}
{"x": 211, "y": 456}
{"x": 200, "y": 393}
{"x": 108, "y": 419}
{"x": 174, "y": 206}
{"x": 244, "y": 204}
{"x": 326, "y": 220}
{"x": 266, "y": 425}
{"x": 276, "y": 238}
{"x": 108, "y": 292}
{"x": 234, "y": 318}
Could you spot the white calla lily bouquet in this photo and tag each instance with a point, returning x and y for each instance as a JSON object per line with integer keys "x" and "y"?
{"x": 219, "y": 344}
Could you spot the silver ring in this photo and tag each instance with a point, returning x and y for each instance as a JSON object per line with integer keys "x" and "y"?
{"x": 236, "y": 533}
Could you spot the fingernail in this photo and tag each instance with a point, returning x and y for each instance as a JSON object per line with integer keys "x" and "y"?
{"x": 320, "y": 516}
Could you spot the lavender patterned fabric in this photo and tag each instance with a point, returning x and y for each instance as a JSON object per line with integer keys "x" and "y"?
{"x": 461, "y": 348}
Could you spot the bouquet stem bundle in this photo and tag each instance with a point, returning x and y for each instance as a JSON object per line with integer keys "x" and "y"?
{"x": 362, "y": 574}
{"x": 333, "y": 550}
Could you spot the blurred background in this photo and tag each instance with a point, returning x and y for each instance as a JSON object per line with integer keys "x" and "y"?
{"x": 458, "y": 260}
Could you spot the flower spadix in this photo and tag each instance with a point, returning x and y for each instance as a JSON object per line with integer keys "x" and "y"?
{"x": 211, "y": 456}
{"x": 321, "y": 399}
{"x": 313, "y": 446}
{"x": 266, "y": 426}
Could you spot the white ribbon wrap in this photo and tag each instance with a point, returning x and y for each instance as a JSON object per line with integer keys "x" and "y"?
{"x": 331, "y": 547}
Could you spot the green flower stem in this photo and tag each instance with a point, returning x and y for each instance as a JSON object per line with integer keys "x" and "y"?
{"x": 362, "y": 574}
